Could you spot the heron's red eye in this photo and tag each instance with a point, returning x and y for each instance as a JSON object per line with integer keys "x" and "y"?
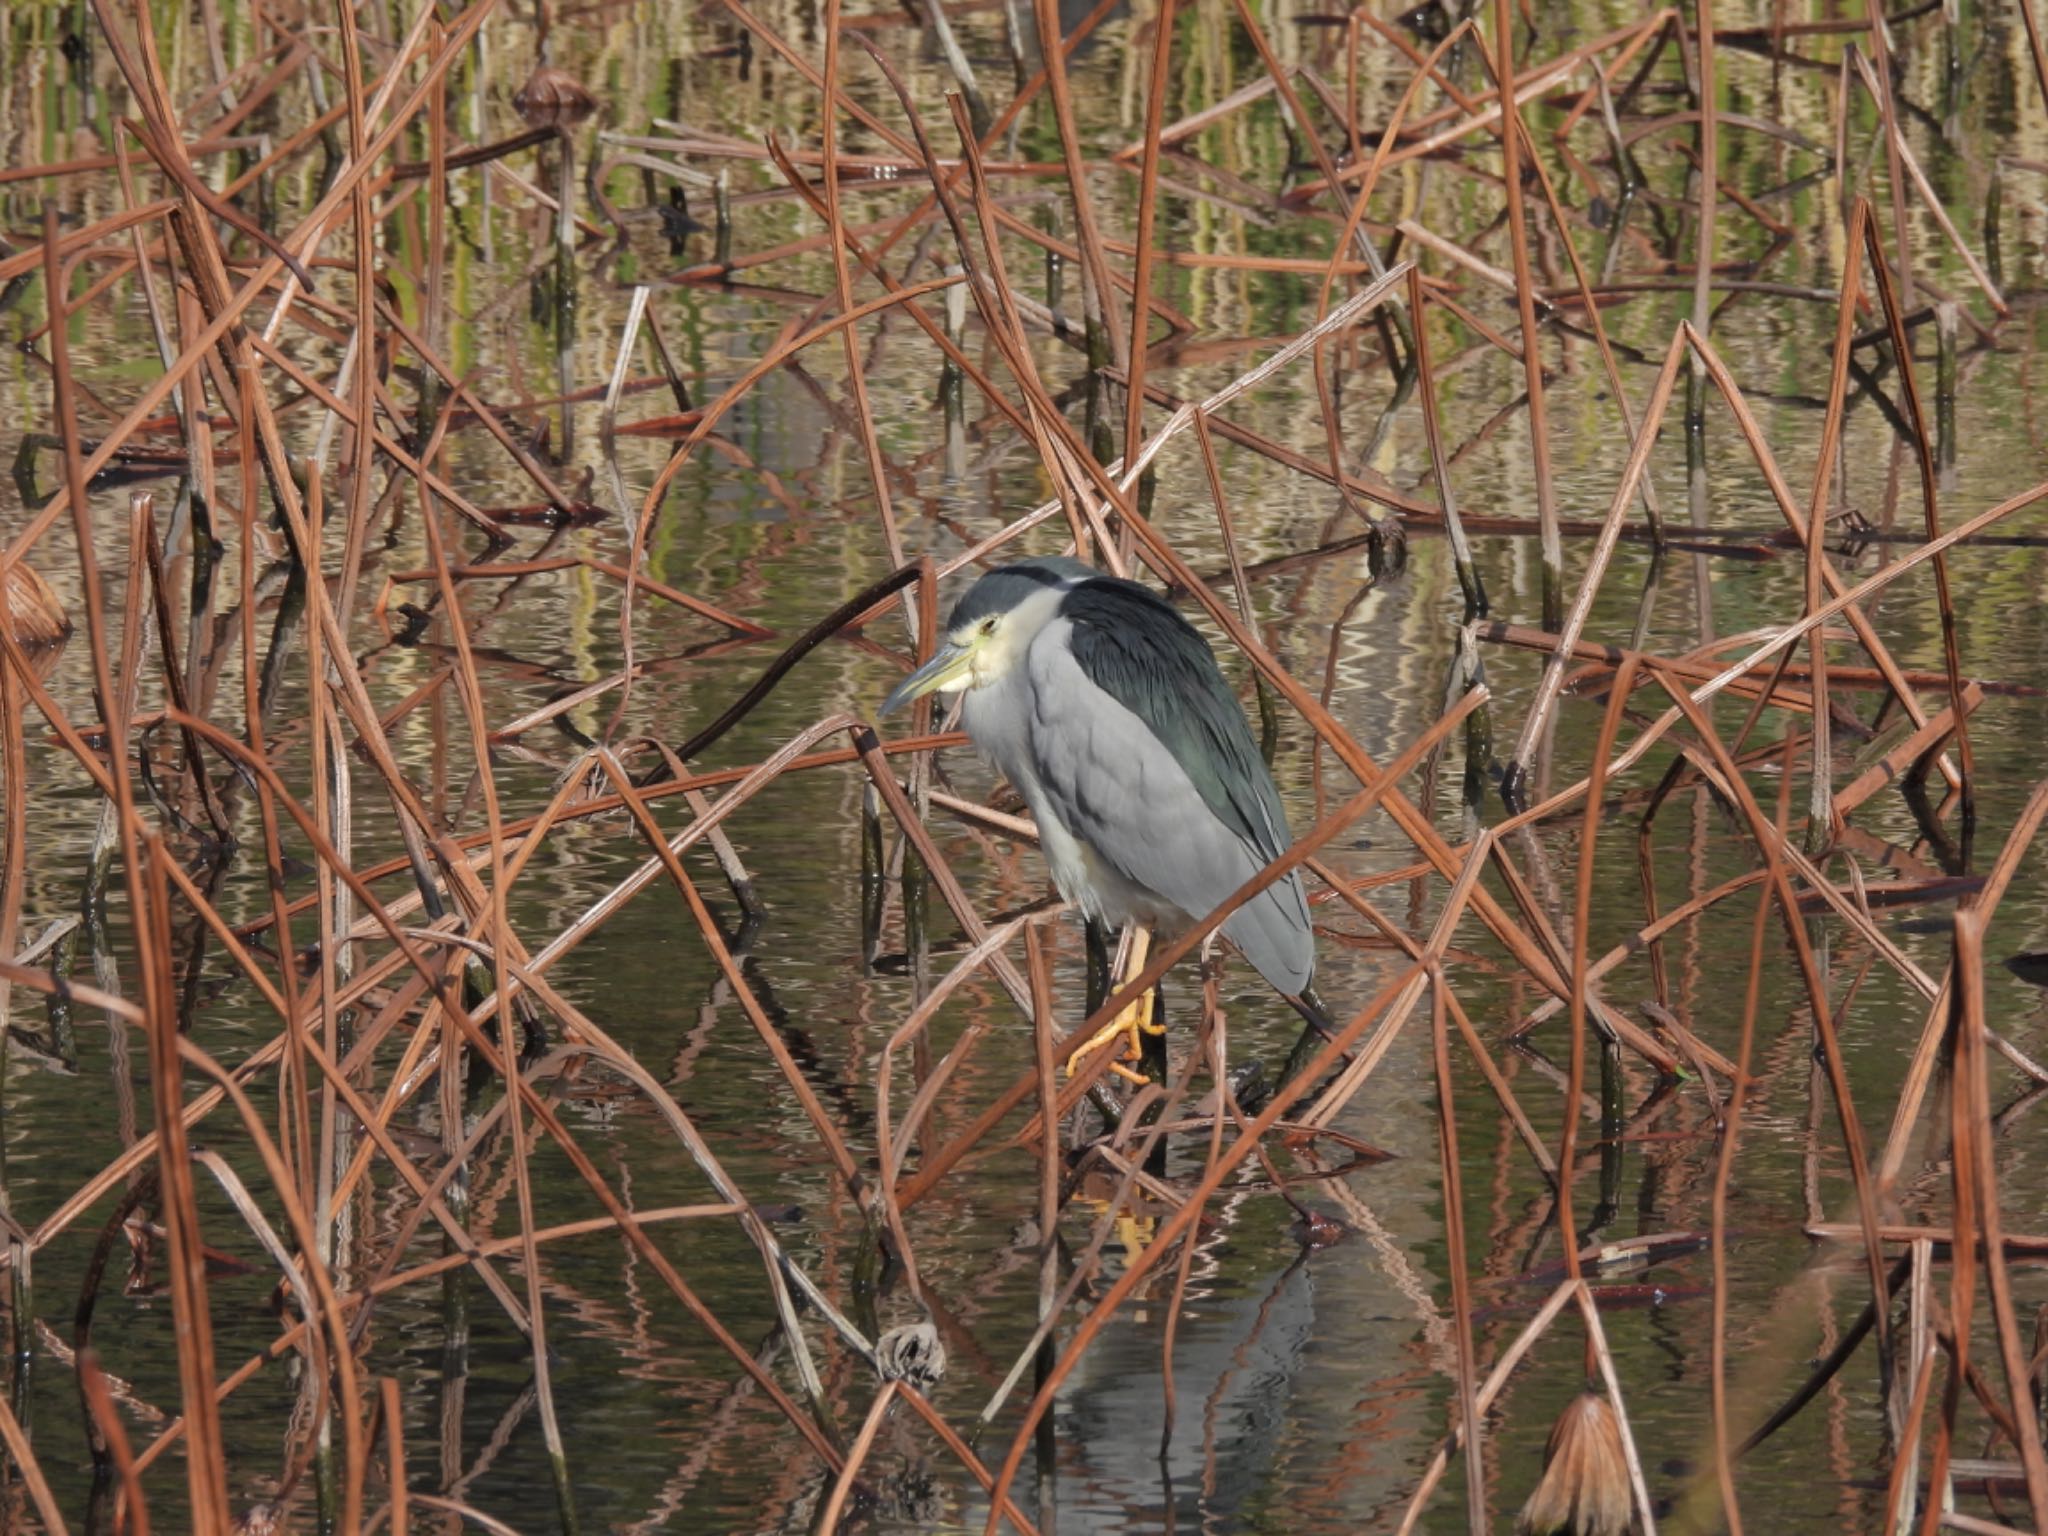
{"x": 988, "y": 626}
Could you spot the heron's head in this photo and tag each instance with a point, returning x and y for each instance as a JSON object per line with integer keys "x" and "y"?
{"x": 991, "y": 626}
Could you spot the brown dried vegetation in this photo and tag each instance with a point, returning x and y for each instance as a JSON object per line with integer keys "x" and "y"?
{"x": 411, "y": 942}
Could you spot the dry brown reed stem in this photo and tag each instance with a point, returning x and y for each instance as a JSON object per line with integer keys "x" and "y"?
{"x": 22, "y": 1458}
{"x": 206, "y": 1470}
{"x": 460, "y": 392}
{"x": 1400, "y": 938}
{"x": 385, "y": 444}
{"x": 330, "y": 799}
{"x": 1148, "y": 206}
{"x": 780, "y": 1269}
{"x": 1068, "y": 460}
{"x": 131, "y": 1513}
{"x": 1532, "y": 359}
{"x": 1098, "y": 292}
{"x": 806, "y": 1096}
{"x": 1816, "y": 988}
{"x": 957, "y": 172}
{"x": 1894, "y": 301}
{"x": 1130, "y": 1175}
{"x": 1038, "y": 968}
{"x": 1846, "y": 599}
{"x": 1470, "y": 581}
{"x": 1454, "y": 1234}
{"x": 856, "y": 1457}
{"x": 1975, "y": 1164}
{"x": 510, "y": 569}
{"x": 1896, "y": 142}
{"x": 390, "y": 1408}
{"x": 871, "y": 260}
{"x": 338, "y": 1356}
{"x": 1724, "y": 1160}
{"x": 364, "y": 1296}
{"x": 1581, "y": 958}
{"x": 1616, "y": 386}
{"x": 374, "y": 1120}
{"x": 835, "y": 225}
{"x": 1920, "y": 1072}
{"x": 893, "y": 1147}
{"x": 1571, "y": 626}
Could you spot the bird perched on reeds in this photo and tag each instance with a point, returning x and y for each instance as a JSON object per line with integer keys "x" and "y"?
{"x": 1585, "y": 1486}
{"x": 1106, "y": 710}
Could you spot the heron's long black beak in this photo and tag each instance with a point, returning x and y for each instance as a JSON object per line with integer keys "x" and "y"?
{"x": 947, "y": 666}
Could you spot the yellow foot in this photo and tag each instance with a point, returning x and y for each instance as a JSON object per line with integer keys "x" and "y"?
{"x": 1135, "y": 1020}
{"x": 1135, "y": 1233}
{"x": 1126, "y": 1026}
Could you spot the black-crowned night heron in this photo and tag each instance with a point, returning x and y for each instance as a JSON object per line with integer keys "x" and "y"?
{"x": 1106, "y": 710}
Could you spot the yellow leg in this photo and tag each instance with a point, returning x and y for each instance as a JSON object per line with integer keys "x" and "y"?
{"x": 1136, "y": 1017}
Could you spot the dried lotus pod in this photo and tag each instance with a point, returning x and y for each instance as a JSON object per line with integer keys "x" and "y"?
{"x": 1585, "y": 1487}
{"x": 553, "y": 98}
{"x": 34, "y": 613}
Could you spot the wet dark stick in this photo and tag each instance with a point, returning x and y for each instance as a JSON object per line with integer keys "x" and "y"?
{"x": 801, "y": 647}
{"x": 1469, "y": 581}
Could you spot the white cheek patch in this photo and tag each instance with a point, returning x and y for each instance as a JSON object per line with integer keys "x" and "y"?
{"x": 959, "y": 683}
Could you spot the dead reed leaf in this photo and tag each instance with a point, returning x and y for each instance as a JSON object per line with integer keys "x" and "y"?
{"x": 35, "y": 614}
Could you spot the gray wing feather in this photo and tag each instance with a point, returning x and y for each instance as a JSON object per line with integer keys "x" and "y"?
{"x": 1138, "y": 648}
{"x": 1116, "y": 786}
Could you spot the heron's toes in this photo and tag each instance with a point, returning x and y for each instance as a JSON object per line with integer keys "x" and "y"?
{"x": 1125, "y": 1027}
